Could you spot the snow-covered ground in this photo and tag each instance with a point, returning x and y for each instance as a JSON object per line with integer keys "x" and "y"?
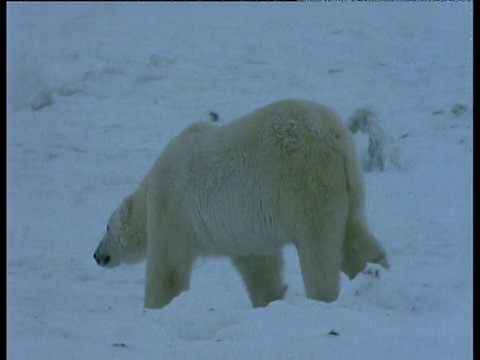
{"x": 96, "y": 90}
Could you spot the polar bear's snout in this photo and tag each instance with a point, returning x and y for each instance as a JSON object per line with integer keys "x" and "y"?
{"x": 107, "y": 255}
{"x": 101, "y": 259}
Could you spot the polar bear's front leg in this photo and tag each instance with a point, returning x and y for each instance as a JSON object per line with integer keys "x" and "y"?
{"x": 165, "y": 281}
{"x": 262, "y": 275}
{"x": 169, "y": 265}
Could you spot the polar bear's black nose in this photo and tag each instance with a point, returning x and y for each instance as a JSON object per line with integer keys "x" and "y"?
{"x": 101, "y": 260}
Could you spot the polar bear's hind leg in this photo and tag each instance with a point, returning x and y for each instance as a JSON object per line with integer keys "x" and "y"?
{"x": 320, "y": 253}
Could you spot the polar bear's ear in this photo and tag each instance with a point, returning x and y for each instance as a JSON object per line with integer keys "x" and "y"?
{"x": 126, "y": 207}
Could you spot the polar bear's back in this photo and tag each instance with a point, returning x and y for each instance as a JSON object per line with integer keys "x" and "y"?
{"x": 285, "y": 122}
{"x": 264, "y": 176}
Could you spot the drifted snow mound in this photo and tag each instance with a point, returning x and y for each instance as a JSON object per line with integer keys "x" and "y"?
{"x": 26, "y": 85}
{"x": 382, "y": 153}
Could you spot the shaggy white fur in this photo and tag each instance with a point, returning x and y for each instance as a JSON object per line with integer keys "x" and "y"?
{"x": 286, "y": 173}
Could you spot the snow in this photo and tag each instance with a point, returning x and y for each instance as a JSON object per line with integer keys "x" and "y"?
{"x": 96, "y": 90}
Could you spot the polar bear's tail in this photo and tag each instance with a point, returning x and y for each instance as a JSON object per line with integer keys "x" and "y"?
{"x": 360, "y": 246}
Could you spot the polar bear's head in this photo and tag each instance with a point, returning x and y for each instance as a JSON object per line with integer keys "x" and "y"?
{"x": 124, "y": 240}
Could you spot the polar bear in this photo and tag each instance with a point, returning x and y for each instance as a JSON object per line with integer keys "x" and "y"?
{"x": 286, "y": 173}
